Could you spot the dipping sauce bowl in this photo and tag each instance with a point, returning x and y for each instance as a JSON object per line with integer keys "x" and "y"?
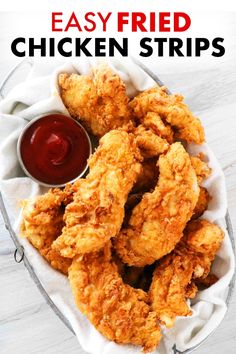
{"x": 53, "y": 150}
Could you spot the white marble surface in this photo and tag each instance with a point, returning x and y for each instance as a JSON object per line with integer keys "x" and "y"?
{"x": 27, "y": 324}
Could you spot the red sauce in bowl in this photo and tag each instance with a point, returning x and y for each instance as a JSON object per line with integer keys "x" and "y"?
{"x": 54, "y": 149}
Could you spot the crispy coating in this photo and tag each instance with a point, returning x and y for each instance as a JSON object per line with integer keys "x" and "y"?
{"x": 202, "y": 203}
{"x": 173, "y": 279}
{"x": 97, "y": 211}
{"x": 98, "y": 100}
{"x": 204, "y": 237}
{"x": 154, "y": 122}
{"x": 42, "y": 223}
{"x": 118, "y": 311}
{"x": 168, "y": 288}
{"x": 141, "y": 191}
{"x": 157, "y": 222}
{"x": 172, "y": 110}
{"x": 149, "y": 143}
{"x": 202, "y": 171}
{"x": 201, "y": 168}
{"x": 191, "y": 290}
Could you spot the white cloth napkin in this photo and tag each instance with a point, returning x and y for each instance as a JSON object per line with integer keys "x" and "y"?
{"x": 38, "y": 94}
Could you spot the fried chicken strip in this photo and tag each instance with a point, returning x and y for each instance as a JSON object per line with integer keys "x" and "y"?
{"x": 154, "y": 122}
{"x": 157, "y": 222}
{"x": 118, "y": 311}
{"x": 201, "y": 168}
{"x": 98, "y": 100}
{"x": 42, "y": 223}
{"x": 97, "y": 211}
{"x": 172, "y": 110}
{"x": 173, "y": 279}
{"x": 149, "y": 143}
{"x": 202, "y": 171}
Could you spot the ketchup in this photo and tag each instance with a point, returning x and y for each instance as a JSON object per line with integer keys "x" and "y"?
{"x": 54, "y": 149}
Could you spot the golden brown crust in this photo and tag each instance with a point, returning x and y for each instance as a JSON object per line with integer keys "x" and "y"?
{"x": 172, "y": 110}
{"x": 154, "y": 122}
{"x": 118, "y": 311}
{"x": 201, "y": 167}
{"x": 98, "y": 100}
{"x": 42, "y": 223}
{"x": 202, "y": 236}
{"x": 79, "y": 221}
{"x": 158, "y": 221}
{"x": 97, "y": 211}
{"x": 167, "y": 292}
{"x": 174, "y": 277}
{"x": 149, "y": 143}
